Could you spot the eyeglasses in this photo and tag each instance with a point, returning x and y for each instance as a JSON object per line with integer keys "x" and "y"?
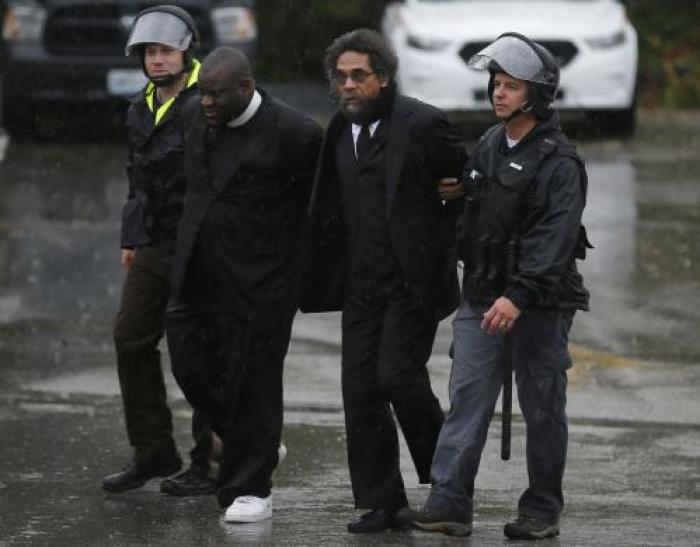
{"x": 358, "y": 76}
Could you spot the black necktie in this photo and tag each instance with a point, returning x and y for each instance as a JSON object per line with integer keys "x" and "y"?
{"x": 364, "y": 143}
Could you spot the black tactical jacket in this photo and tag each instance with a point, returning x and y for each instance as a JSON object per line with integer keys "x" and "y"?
{"x": 155, "y": 169}
{"x": 521, "y": 232}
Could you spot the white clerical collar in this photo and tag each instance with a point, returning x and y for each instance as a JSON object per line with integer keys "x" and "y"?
{"x": 249, "y": 112}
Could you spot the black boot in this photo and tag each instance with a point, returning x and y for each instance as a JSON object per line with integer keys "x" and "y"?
{"x": 434, "y": 521}
{"x": 193, "y": 482}
{"x": 137, "y": 473}
{"x": 531, "y": 528}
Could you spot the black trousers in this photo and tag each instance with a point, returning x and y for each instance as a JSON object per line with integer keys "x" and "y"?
{"x": 138, "y": 328}
{"x": 230, "y": 370}
{"x": 387, "y": 341}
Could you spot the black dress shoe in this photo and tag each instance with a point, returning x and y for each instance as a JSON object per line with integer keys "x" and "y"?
{"x": 376, "y": 520}
{"x": 192, "y": 482}
{"x": 137, "y": 474}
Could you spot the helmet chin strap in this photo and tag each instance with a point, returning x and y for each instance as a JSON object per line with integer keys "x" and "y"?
{"x": 170, "y": 79}
{"x": 522, "y": 109}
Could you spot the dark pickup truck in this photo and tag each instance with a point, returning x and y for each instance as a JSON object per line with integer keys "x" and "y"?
{"x": 63, "y": 53}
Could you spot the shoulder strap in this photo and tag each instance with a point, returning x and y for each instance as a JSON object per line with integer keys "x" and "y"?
{"x": 557, "y": 145}
{"x": 491, "y": 142}
{"x": 492, "y": 135}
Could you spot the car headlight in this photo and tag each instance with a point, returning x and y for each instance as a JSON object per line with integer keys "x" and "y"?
{"x": 24, "y": 21}
{"x": 426, "y": 44}
{"x": 234, "y": 24}
{"x": 606, "y": 42}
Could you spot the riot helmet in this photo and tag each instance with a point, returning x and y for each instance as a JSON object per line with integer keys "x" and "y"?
{"x": 169, "y": 25}
{"x": 522, "y": 58}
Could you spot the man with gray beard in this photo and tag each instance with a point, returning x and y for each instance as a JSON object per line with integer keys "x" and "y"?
{"x": 383, "y": 252}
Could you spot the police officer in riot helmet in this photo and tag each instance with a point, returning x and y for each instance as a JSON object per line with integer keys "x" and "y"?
{"x": 176, "y": 33}
{"x": 520, "y": 237}
{"x": 164, "y": 38}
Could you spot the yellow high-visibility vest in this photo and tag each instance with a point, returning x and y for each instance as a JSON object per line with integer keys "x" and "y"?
{"x": 162, "y": 109}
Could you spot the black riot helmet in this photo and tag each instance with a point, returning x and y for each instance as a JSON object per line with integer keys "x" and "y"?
{"x": 168, "y": 25}
{"x": 522, "y": 58}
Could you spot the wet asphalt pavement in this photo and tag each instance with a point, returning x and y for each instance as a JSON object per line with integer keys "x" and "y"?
{"x": 634, "y": 457}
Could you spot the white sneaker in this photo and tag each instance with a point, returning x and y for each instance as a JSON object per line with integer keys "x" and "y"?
{"x": 249, "y": 509}
{"x": 281, "y": 453}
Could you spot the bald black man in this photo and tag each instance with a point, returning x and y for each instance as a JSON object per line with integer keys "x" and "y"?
{"x": 249, "y": 161}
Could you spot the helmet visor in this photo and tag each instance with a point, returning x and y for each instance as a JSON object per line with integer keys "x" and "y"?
{"x": 157, "y": 27}
{"x": 515, "y": 56}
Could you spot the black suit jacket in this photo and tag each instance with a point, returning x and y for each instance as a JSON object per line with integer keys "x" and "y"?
{"x": 260, "y": 199}
{"x": 422, "y": 149}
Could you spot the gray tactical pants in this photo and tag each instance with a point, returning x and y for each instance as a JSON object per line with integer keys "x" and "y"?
{"x": 540, "y": 360}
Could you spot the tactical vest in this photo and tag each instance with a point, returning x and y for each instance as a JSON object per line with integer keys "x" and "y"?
{"x": 499, "y": 205}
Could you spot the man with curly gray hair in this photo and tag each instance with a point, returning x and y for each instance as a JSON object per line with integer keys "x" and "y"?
{"x": 383, "y": 252}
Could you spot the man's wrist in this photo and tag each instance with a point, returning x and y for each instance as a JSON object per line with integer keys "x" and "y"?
{"x": 519, "y": 296}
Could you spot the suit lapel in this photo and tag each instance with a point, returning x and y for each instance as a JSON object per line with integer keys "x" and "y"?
{"x": 220, "y": 178}
{"x": 196, "y": 145}
{"x": 398, "y": 136}
{"x": 326, "y": 159}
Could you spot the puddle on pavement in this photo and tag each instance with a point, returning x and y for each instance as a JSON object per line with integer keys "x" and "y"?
{"x": 57, "y": 408}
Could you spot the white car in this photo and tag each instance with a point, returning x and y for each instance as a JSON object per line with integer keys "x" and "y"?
{"x": 592, "y": 40}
